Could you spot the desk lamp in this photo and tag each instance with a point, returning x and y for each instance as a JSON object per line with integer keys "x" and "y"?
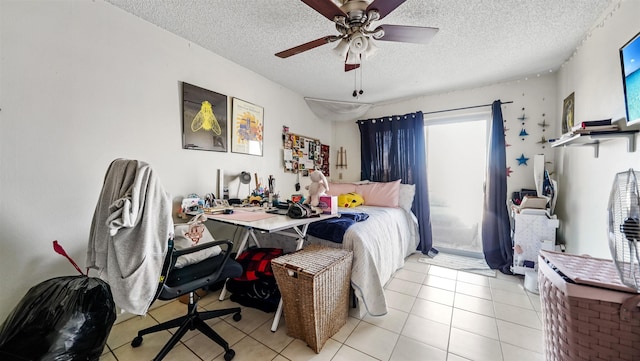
{"x": 245, "y": 178}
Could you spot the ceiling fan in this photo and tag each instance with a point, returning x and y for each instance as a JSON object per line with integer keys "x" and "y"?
{"x": 353, "y": 21}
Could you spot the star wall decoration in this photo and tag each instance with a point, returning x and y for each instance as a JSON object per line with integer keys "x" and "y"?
{"x": 544, "y": 124}
{"x": 509, "y": 171}
{"x": 523, "y": 133}
{"x": 542, "y": 141}
{"x": 523, "y": 117}
{"x": 522, "y": 160}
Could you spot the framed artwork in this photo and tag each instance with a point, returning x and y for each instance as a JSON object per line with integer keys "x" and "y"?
{"x": 248, "y": 128}
{"x": 568, "y": 113}
{"x": 204, "y": 119}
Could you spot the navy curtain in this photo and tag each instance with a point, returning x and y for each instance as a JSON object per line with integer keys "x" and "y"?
{"x": 496, "y": 235}
{"x": 393, "y": 148}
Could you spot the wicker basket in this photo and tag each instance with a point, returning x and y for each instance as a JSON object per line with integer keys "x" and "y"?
{"x": 588, "y": 314}
{"x": 314, "y": 284}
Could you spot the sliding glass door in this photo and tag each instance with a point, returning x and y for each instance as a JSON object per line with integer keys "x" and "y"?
{"x": 456, "y": 167}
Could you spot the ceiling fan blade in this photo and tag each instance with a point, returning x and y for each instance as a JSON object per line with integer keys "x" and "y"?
{"x": 327, "y": 8}
{"x": 349, "y": 67}
{"x": 306, "y": 46}
{"x": 384, "y": 7}
{"x": 408, "y": 34}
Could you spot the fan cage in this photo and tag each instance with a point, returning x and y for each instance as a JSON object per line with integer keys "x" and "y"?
{"x": 624, "y": 227}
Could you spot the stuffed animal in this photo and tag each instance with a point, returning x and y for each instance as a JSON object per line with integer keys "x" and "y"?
{"x": 350, "y": 200}
{"x": 317, "y": 188}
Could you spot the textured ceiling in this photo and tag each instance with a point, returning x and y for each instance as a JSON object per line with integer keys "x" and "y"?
{"x": 480, "y": 42}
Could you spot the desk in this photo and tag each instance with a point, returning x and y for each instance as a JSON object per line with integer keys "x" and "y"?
{"x": 260, "y": 221}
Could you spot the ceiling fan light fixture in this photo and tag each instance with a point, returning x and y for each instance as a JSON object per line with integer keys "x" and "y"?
{"x": 373, "y": 15}
{"x": 342, "y": 48}
{"x": 377, "y": 33}
{"x": 341, "y": 25}
{"x": 372, "y": 49}
{"x": 352, "y": 58}
{"x": 358, "y": 44}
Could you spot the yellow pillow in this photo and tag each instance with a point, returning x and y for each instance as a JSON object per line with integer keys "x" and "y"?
{"x": 350, "y": 200}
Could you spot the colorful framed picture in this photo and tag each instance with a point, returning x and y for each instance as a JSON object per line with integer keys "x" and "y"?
{"x": 568, "y": 113}
{"x": 204, "y": 119}
{"x": 247, "y": 128}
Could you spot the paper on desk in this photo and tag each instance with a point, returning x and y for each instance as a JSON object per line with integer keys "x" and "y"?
{"x": 244, "y": 216}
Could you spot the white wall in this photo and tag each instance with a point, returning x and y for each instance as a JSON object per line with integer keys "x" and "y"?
{"x": 536, "y": 94}
{"x": 594, "y": 74}
{"x": 83, "y": 83}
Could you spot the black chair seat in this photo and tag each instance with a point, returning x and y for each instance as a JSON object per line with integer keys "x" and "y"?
{"x": 184, "y": 278}
{"x": 187, "y": 280}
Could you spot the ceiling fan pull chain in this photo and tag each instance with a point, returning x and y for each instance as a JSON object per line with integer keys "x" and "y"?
{"x": 356, "y": 94}
{"x": 361, "y": 91}
{"x": 355, "y": 81}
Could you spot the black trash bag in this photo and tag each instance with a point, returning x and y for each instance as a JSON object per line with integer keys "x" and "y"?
{"x": 62, "y": 319}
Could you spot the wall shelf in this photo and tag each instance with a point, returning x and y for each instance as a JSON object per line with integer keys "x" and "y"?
{"x": 594, "y": 140}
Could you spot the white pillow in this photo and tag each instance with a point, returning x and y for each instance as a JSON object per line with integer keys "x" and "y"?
{"x": 406, "y": 195}
{"x": 182, "y": 241}
{"x": 381, "y": 194}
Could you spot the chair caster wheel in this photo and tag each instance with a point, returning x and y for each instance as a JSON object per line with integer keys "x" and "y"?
{"x": 229, "y": 355}
{"x": 136, "y": 341}
{"x": 237, "y": 316}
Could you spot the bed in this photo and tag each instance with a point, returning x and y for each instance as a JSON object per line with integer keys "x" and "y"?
{"x": 380, "y": 245}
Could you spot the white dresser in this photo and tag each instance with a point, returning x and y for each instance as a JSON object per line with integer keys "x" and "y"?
{"x": 533, "y": 230}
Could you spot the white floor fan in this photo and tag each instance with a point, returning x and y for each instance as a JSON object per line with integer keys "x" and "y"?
{"x": 624, "y": 227}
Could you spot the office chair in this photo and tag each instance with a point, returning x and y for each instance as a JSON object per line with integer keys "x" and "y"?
{"x": 132, "y": 247}
{"x": 175, "y": 282}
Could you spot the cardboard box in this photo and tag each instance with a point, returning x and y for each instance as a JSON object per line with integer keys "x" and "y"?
{"x": 329, "y": 204}
{"x": 534, "y": 202}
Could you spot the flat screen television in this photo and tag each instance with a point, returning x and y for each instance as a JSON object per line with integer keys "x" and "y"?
{"x": 630, "y": 61}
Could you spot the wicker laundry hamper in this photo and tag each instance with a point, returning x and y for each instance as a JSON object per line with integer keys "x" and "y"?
{"x": 314, "y": 284}
{"x": 588, "y": 314}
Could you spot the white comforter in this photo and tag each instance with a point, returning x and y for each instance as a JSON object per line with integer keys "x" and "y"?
{"x": 380, "y": 244}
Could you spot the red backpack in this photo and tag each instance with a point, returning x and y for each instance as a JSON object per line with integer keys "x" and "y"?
{"x": 257, "y": 286}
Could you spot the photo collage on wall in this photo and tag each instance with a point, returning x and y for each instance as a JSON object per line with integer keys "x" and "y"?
{"x": 303, "y": 154}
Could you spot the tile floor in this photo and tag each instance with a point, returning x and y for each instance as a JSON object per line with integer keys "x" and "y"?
{"x": 434, "y": 313}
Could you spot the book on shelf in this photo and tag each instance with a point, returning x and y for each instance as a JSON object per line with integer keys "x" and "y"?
{"x": 567, "y": 135}
{"x": 592, "y": 123}
{"x": 597, "y": 129}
